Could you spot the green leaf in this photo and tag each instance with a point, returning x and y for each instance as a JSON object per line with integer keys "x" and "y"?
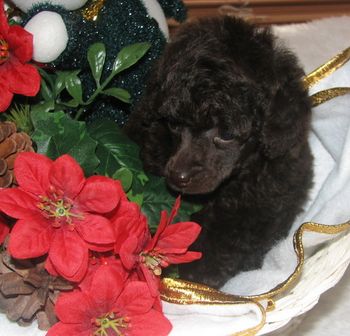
{"x": 74, "y": 87}
{"x": 70, "y": 103}
{"x": 118, "y": 93}
{"x": 45, "y": 91}
{"x": 124, "y": 175}
{"x": 56, "y": 134}
{"x": 96, "y": 57}
{"x": 156, "y": 198}
{"x": 60, "y": 82}
{"x": 47, "y": 77}
{"x": 115, "y": 151}
{"x": 129, "y": 55}
{"x": 43, "y": 107}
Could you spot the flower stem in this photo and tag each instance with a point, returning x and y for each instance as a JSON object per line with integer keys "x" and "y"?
{"x": 95, "y": 94}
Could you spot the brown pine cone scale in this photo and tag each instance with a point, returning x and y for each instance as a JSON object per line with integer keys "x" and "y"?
{"x": 11, "y": 143}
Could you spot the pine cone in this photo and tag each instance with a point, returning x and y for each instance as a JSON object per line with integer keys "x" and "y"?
{"x": 11, "y": 143}
{"x": 28, "y": 291}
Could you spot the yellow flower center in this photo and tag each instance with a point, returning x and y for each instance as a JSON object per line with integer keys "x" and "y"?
{"x": 59, "y": 209}
{"x": 154, "y": 261}
{"x": 110, "y": 323}
{"x": 4, "y": 51}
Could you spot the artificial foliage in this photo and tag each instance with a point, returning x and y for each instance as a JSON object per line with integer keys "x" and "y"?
{"x": 119, "y": 23}
{"x": 16, "y": 74}
{"x": 85, "y": 233}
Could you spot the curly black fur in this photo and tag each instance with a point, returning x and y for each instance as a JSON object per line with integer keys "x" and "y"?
{"x": 226, "y": 117}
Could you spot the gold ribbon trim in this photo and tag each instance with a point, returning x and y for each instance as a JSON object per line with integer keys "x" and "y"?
{"x": 326, "y": 69}
{"x": 185, "y": 292}
{"x": 325, "y": 95}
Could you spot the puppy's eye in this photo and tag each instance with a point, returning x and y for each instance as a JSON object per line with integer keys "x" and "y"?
{"x": 222, "y": 143}
{"x": 174, "y": 127}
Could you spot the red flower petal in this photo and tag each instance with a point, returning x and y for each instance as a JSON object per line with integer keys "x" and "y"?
{"x": 23, "y": 78}
{"x": 178, "y": 236}
{"x": 31, "y": 171}
{"x": 50, "y": 268}
{"x": 20, "y": 42}
{"x": 30, "y": 238}
{"x": 74, "y": 307}
{"x": 152, "y": 280}
{"x": 106, "y": 286}
{"x": 175, "y": 209}
{"x": 135, "y": 298}
{"x": 95, "y": 229}
{"x": 102, "y": 261}
{"x": 3, "y": 20}
{"x": 5, "y": 95}
{"x": 152, "y": 323}
{"x": 66, "y": 175}
{"x": 69, "y": 254}
{"x": 62, "y": 329}
{"x": 129, "y": 252}
{"x": 99, "y": 247}
{"x": 129, "y": 221}
{"x": 161, "y": 227}
{"x": 100, "y": 194}
{"x": 18, "y": 204}
{"x": 164, "y": 222}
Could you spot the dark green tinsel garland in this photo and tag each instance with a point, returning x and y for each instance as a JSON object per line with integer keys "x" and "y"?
{"x": 174, "y": 9}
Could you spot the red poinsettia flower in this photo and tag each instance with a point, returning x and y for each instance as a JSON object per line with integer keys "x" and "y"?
{"x": 98, "y": 260}
{"x": 4, "y": 230}
{"x": 128, "y": 220}
{"x": 59, "y": 212}
{"x": 16, "y": 50}
{"x": 168, "y": 246}
{"x": 109, "y": 307}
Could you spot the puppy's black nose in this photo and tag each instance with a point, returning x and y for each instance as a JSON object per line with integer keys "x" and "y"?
{"x": 180, "y": 178}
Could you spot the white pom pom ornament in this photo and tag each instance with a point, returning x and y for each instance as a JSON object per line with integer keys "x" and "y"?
{"x": 50, "y": 36}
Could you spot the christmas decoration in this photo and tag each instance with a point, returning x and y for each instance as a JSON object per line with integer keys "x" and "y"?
{"x": 28, "y": 291}
{"x": 74, "y": 227}
{"x": 16, "y": 75}
{"x": 60, "y": 213}
{"x": 11, "y": 144}
{"x": 111, "y": 306}
{"x": 64, "y": 42}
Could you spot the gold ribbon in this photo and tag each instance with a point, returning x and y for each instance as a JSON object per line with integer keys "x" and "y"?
{"x": 91, "y": 12}
{"x": 322, "y": 72}
{"x": 326, "y": 69}
{"x": 325, "y": 95}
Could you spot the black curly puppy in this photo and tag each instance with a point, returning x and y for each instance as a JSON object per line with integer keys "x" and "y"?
{"x": 226, "y": 116}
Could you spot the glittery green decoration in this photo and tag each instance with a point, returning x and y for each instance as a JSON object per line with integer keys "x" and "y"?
{"x": 119, "y": 23}
{"x": 174, "y": 9}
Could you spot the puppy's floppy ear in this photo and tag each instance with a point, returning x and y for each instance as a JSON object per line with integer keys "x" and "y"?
{"x": 149, "y": 132}
{"x": 287, "y": 118}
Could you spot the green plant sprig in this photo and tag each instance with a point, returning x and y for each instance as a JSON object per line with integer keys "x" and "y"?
{"x": 53, "y": 85}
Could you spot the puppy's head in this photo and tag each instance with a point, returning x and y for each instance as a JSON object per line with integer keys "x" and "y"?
{"x": 222, "y": 93}
{"x": 210, "y": 146}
